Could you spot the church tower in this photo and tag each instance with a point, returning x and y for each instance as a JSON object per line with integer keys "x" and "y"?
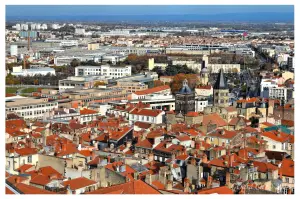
{"x": 204, "y": 74}
{"x": 221, "y": 91}
{"x": 185, "y": 99}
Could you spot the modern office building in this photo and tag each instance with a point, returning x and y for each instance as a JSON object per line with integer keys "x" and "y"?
{"x": 110, "y": 72}
{"x": 29, "y": 108}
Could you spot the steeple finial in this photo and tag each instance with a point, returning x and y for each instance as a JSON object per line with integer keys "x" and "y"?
{"x": 221, "y": 83}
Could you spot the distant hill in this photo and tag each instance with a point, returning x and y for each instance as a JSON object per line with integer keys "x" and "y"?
{"x": 229, "y": 17}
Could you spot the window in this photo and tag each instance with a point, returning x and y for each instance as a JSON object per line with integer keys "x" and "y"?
{"x": 287, "y": 180}
{"x": 274, "y": 146}
{"x": 29, "y": 159}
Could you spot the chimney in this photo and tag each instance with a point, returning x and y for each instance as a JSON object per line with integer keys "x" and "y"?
{"x": 151, "y": 157}
{"x": 226, "y": 163}
{"x": 128, "y": 144}
{"x": 136, "y": 175}
{"x": 108, "y": 159}
{"x": 228, "y": 179}
{"x": 168, "y": 144}
{"x": 186, "y": 185}
{"x": 231, "y": 160}
{"x": 169, "y": 185}
{"x": 18, "y": 180}
{"x": 173, "y": 156}
{"x": 209, "y": 182}
{"x": 79, "y": 147}
{"x": 69, "y": 191}
{"x": 148, "y": 178}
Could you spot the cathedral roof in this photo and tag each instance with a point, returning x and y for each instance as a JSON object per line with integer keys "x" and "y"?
{"x": 185, "y": 88}
{"x": 221, "y": 83}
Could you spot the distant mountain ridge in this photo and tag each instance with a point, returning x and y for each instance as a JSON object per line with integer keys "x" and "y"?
{"x": 232, "y": 17}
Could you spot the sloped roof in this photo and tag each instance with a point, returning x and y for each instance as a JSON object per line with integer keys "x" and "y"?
{"x": 287, "y": 168}
{"x": 152, "y": 90}
{"x": 28, "y": 189}
{"x": 78, "y": 183}
{"x": 217, "y": 190}
{"x": 213, "y": 118}
{"x": 221, "y": 82}
{"x": 133, "y": 187}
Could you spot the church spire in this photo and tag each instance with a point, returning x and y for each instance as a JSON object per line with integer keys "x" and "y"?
{"x": 221, "y": 83}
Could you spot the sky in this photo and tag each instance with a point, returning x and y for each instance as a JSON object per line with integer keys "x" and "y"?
{"x": 80, "y": 10}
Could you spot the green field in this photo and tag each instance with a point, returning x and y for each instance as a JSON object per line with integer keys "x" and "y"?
{"x": 11, "y": 90}
{"x": 29, "y": 90}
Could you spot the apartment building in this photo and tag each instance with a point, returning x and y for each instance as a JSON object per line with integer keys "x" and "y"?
{"x": 146, "y": 115}
{"x": 281, "y": 93}
{"x": 74, "y": 82}
{"x": 132, "y": 87}
{"x": 111, "y": 72}
{"x": 30, "y": 108}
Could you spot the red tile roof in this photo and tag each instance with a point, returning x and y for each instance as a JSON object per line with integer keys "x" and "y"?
{"x": 230, "y": 109}
{"x": 217, "y": 190}
{"x": 146, "y": 112}
{"x": 145, "y": 144}
{"x": 172, "y": 148}
{"x": 223, "y": 133}
{"x": 8, "y": 191}
{"x": 157, "y": 184}
{"x": 250, "y": 100}
{"x": 26, "y": 151}
{"x": 128, "y": 170}
{"x": 87, "y": 111}
{"x": 183, "y": 138}
{"x": 132, "y": 187}
{"x": 24, "y": 168}
{"x": 192, "y": 132}
{"x": 15, "y": 179}
{"x": 288, "y": 123}
{"x": 264, "y": 167}
{"x": 268, "y": 124}
{"x": 192, "y": 114}
{"x": 182, "y": 157}
{"x": 156, "y": 133}
{"x": 40, "y": 180}
{"x": 207, "y": 87}
{"x": 213, "y": 118}
{"x": 78, "y": 183}
{"x": 116, "y": 135}
{"x": 287, "y": 168}
{"x": 152, "y": 90}
{"x": 142, "y": 125}
{"x": 278, "y": 136}
{"x": 27, "y": 189}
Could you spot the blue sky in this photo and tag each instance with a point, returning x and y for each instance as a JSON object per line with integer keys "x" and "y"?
{"x": 80, "y": 10}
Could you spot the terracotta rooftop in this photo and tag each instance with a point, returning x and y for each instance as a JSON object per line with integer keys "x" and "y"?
{"x": 278, "y": 136}
{"x": 28, "y": 189}
{"x": 152, "y": 90}
{"x": 87, "y": 112}
{"x": 133, "y": 187}
{"x": 78, "y": 183}
{"x": 146, "y": 112}
{"x": 223, "y": 133}
{"x": 213, "y": 118}
{"x": 218, "y": 190}
{"x": 287, "y": 168}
